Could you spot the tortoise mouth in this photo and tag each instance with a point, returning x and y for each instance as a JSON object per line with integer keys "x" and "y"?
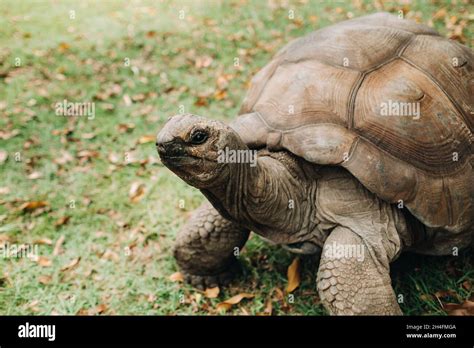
{"x": 174, "y": 160}
{"x": 186, "y": 159}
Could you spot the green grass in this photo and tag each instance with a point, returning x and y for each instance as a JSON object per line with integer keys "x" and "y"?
{"x": 82, "y": 59}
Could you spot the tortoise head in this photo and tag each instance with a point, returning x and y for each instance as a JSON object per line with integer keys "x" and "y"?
{"x": 189, "y": 145}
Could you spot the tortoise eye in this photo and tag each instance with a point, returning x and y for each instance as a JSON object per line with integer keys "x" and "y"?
{"x": 198, "y": 137}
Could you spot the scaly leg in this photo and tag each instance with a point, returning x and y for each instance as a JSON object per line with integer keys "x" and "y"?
{"x": 350, "y": 285}
{"x": 205, "y": 248}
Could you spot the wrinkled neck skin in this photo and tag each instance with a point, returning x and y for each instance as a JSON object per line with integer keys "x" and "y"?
{"x": 275, "y": 199}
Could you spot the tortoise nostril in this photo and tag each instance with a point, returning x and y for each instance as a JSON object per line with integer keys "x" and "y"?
{"x": 170, "y": 148}
{"x": 159, "y": 147}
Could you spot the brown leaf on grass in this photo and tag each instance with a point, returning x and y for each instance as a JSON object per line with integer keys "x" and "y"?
{"x": 201, "y": 101}
{"x": 88, "y": 136}
{"x": 113, "y": 158}
{"x": 147, "y": 139}
{"x": 3, "y": 156}
{"x": 127, "y": 100}
{"x": 43, "y": 241}
{"x": 440, "y": 14}
{"x": 137, "y": 190}
{"x": 280, "y": 296}
{"x": 71, "y": 264}
{"x": 466, "y": 308}
{"x": 467, "y": 285}
{"x": 222, "y": 81}
{"x": 203, "y": 62}
{"x": 35, "y": 175}
{"x": 176, "y": 277}
{"x": 64, "y": 158}
{"x": 31, "y": 206}
{"x": 138, "y": 97}
{"x": 268, "y": 307}
{"x": 45, "y": 279}
{"x": 62, "y": 221}
{"x": 99, "y": 309}
{"x": 87, "y": 154}
{"x": 58, "y": 246}
{"x": 219, "y": 95}
{"x": 43, "y": 261}
{"x": 111, "y": 256}
{"x": 212, "y": 292}
{"x": 5, "y": 135}
{"x": 82, "y": 311}
{"x": 125, "y": 127}
{"x": 63, "y": 47}
{"x": 150, "y": 33}
{"x": 293, "y": 275}
{"x": 4, "y": 190}
{"x": 227, "y": 304}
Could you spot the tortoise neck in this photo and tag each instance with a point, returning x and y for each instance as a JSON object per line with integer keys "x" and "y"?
{"x": 241, "y": 182}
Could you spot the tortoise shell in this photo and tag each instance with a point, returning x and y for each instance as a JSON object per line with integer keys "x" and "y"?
{"x": 323, "y": 97}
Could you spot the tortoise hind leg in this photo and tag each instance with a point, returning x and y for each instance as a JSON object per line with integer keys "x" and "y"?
{"x": 205, "y": 247}
{"x": 353, "y": 284}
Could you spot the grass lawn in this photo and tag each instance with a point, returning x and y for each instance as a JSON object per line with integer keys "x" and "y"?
{"x": 91, "y": 194}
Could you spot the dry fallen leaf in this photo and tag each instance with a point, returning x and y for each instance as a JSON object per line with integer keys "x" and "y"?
{"x": 147, "y": 139}
{"x": 45, "y": 279}
{"x": 3, "y": 156}
{"x": 201, "y": 101}
{"x": 227, "y": 304}
{"x": 92, "y": 311}
{"x": 110, "y": 255}
{"x": 440, "y": 14}
{"x": 71, "y": 264}
{"x": 212, "y": 292}
{"x": 98, "y": 309}
{"x": 58, "y": 246}
{"x": 64, "y": 158}
{"x": 466, "y": 308}
{"x": 35, "y": 175}
{"x": 293, "y": 275}
{"x": 127, "y": 100}
{"x": 43, "y": 261}
{"x": 137, "y": 190}
{"x": 88, "y": 136}
{"x": 31, "y": 206}
{"x": 63, "y": 47}
{"x": 219, "y": 95}
{"x": 43, "y": 241}
{"x": 114, "y": 158}
{"x": 176, "y": 277}
{"x": 62, "y": 221}
{"x": 268, "y": 307}
{"x": 203, "y": 62}
{"x": 125, "y": 127}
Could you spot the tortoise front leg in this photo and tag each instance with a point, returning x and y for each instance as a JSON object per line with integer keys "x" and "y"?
{"x": 205, "y": 248}
{"x": 353, "y": 285}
